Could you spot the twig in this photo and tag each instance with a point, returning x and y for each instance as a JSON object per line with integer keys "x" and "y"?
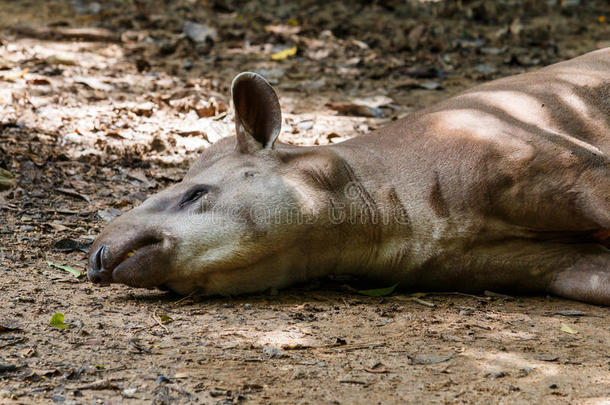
{"x": 423, "y": 302}
{"x": 104, "y": 384}
{"x": 158, "y": 320}
{"x": 185, "y": 298}
{"x": 69, "y": 34}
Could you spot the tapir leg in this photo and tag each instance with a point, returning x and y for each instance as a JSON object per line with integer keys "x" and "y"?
{"x": 575, "y": 271}
{"x": 579, "y": 271}
{"x": 586, "y": 280}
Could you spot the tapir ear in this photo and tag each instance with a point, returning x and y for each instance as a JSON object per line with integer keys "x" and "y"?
{"x": 258, "y": 117}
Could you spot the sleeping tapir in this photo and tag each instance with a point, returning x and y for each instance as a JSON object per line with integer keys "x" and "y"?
{"x": 504, "y": 187}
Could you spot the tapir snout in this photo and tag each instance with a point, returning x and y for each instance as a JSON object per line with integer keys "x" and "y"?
{"x": 131, "y": 254}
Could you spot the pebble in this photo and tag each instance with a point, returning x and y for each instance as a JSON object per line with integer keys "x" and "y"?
{"x": 273, "y": 352}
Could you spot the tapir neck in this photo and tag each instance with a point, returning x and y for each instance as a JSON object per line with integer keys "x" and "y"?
{"x": 369, "y": 214}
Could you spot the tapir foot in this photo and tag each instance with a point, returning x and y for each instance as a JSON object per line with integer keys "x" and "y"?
{"x": 586, "y": 280}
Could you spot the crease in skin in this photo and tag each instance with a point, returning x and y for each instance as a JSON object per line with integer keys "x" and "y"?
{"x": 519, "y": 105}
{"x": 579, "y": 78}
{"x": 524, "y": 108}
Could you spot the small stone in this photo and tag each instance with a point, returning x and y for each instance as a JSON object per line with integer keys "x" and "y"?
{"x": 525, "y": 371}
{"x": 305, "y": 125}
{"x": 129, "y": 392}
{"x": 485, "y": 68}
{"x": 299, "y": 373}
{"x": 7, "y": 367}
{"x": 273, "y": 352}
{"x": 553, "y": 386}
{"x": 466, "y": 311}
{"x": 430, "y": 85}
{"x": 157, "y": 144}
{"x": 199, "y": 33}
{"x": 145, "y": 109}
{"x": 95, "y": 8}
{"x": 109, "y": 214}
{"x": 495, "y": 374}
{"x": 162, "y": 379}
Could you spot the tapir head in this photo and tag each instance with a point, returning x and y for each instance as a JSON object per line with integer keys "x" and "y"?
{"x": 217, "y": 229}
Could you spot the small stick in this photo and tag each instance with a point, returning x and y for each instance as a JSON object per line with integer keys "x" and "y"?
{"x": 158, "y": 320}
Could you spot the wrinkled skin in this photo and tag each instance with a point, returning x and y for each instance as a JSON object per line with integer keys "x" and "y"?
{"x": 505, "y": 187}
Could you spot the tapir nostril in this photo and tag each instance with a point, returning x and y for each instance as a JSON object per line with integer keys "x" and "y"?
{"x": 97, "y": 273}
{"x": 97, "y": 263}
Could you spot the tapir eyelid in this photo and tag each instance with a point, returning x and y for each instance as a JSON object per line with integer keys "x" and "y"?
{"x": 193, "y": 195}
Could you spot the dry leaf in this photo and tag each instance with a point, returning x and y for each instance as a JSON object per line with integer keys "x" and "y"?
{"x": 285, "y": 53}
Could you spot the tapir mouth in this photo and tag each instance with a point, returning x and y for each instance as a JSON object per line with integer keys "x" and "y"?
{"x": 141, "y": 262}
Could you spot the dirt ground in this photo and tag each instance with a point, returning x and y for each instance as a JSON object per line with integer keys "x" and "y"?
{"x": 94, "y": 120}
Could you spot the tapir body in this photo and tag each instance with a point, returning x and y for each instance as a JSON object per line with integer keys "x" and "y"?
{"x": 504, "y": 187}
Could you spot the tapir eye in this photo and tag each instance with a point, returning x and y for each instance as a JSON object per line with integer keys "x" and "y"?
{"x": 193, "y": 195}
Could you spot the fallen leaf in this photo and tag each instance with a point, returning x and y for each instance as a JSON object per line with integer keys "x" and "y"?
{"x": 75, "y": 272}
{"x": 15, "y": 76}
{"x": 565, "y": 328}
{"x": 69, "y": 245}
{"x": 379, "y": 292}
{"x": 430, "y": 358}
{"x": 546, "y": 357}
{"x": 373, "y": 101}
{"x": 6, "y": 180}
{"x": 73, "y": 193}
{"x": 295, "y": 346}
{"x": 355, "y": 109}
{"x": 284, "y": 54}
{"x": 4, "y": 328}
{"x": 39, "y": 82}
{"x": 378, "y": 368}
{"x": 57, "y": 227}
{"x": 165, "y": 319}
{"x": 94, "y": 83}
{"x": 57, "y": 321}
{"x": 199, "y": 32}
{"x": 283, "y": 29}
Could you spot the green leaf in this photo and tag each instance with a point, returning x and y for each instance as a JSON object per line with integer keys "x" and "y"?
{"x": 565, "y": 328}
{"x": 75, "y": 272}
{"x": 379, "y": 292}
{"x": 165, "y": 319}
{"x": 57, "y": 321}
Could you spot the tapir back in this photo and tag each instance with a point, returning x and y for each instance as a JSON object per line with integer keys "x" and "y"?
{"x": 529, "y": 151}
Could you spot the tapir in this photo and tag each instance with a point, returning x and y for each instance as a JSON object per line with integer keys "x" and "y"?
{"x": 504, "y": 187}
